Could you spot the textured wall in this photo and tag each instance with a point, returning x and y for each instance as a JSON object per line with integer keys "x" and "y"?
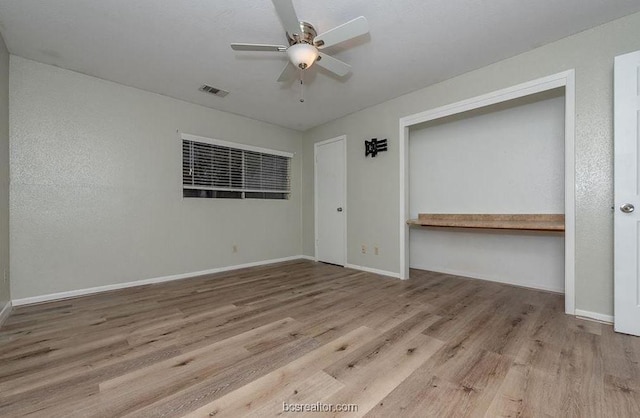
{"x": 96, "y": 195}
{"x": 4, "y": 174}
{"x": 373, "y": 213}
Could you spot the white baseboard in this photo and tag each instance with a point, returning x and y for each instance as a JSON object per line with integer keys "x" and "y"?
{"x": 534, "y": 286}
{"x": 595, "y": 316}
{"x": 117, "y": 286}
{"x": 372, "y": 270}
{"x": 5, "y": 312}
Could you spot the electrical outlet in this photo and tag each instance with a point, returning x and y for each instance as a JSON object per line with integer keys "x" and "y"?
{"x": 364, "y": 249}
{"x": 5, "y": 276}
{"x": 376, "y": 250}
{"x": 235, "y": 248}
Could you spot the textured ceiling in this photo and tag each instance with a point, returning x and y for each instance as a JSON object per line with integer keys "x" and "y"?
{"x": 171, "y": 47}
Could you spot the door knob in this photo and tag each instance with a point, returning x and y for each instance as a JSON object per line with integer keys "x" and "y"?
{"x": 627, "y": 208}
{"x": 339, "y": 209}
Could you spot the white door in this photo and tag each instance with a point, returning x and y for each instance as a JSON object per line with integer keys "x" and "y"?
{"x": 627, "y": 193}
{"x": 330, "y": 182}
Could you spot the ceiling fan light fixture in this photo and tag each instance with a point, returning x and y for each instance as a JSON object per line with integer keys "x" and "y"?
{"x": 302, "y": 55}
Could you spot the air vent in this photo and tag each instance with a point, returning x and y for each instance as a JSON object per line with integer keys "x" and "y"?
{"x": 212, "y": 90}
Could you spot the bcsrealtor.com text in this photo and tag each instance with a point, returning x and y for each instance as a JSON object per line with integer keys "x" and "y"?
{"x": 318, "y": 407}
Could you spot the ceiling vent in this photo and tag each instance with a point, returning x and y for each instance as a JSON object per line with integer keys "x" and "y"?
{"x": 212, "y": 90}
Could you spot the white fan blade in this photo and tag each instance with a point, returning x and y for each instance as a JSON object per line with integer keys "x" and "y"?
{"x": 335, "y": 66}
{"x": 258, "y": 47}
{"x": 288, "y": 16}
{"x": 351, "y": 29}
{"x": 288, "y": 73}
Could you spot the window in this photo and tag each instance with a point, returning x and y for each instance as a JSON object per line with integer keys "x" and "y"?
{"x": 225, "y": 170}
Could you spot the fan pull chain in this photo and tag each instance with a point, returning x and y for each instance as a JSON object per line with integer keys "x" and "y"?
{"x": 301, "y": 87}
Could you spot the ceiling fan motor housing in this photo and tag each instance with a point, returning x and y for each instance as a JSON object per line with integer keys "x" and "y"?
{"x": 306, "y": 35}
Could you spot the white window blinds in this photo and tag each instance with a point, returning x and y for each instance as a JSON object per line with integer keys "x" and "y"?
{"x": 217, "y": 169}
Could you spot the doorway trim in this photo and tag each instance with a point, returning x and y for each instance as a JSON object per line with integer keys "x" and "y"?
{"x": 345, "y": 210}
{"x": 564, "y": 79}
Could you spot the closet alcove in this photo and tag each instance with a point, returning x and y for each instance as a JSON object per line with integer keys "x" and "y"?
{"x": 487, "y": 192}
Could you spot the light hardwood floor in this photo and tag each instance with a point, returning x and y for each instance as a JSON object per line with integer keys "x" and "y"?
{"x": 243, "y": 342}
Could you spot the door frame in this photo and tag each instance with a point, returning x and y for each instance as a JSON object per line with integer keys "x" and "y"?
{"x": 342, "y": 138}
{"x": 564, "y": 79}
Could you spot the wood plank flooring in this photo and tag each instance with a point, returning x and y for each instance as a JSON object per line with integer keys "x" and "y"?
{"x": 241, "y": 343}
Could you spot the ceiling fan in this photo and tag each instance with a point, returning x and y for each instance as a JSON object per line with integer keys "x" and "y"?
{"x": 305, "y": 45}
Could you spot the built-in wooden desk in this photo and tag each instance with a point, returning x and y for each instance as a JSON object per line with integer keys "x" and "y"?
{"x": 526, "y": 222}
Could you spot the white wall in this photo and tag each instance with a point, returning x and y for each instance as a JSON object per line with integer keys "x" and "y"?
{"x": 96, "y": 195}
{"x": 507, "y": 158}
{"x": 5, "y": 295}
{"x": 373, "y": 199}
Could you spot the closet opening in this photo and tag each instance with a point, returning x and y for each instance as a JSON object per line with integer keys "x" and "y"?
{"x": 488, "y": 188}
